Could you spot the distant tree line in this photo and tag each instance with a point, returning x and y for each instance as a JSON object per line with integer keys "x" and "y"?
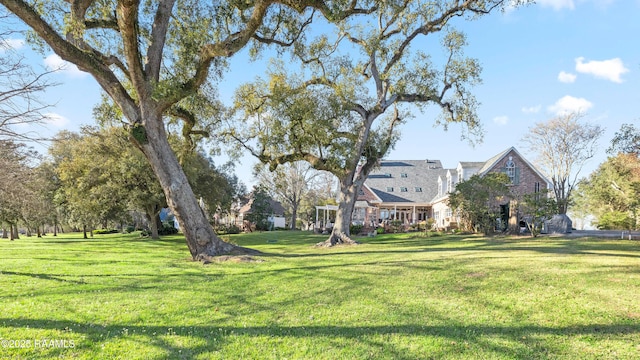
{"x": 93, "y": 179}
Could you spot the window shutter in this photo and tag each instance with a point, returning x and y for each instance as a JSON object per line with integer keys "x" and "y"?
{"x": 516, "y": 179}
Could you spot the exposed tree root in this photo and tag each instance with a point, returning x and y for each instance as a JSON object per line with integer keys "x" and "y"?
{"x": 338, "y": 238}
{"x": 226, "y": 252}
{"x": 228, "y": 258}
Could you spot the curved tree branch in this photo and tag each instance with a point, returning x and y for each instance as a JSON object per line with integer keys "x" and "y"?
{"x": 85, "y": 61}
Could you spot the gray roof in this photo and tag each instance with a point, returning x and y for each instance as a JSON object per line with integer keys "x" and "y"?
{"x": 276, "y": 207}
{"x": 494, "y": 160}
{"x": 471, "y": 164}
{"x": 491, "y": 162}
{"x": 409, "y": 174}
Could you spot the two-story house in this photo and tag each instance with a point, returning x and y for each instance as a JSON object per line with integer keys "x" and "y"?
{"x": 414, "y": 190}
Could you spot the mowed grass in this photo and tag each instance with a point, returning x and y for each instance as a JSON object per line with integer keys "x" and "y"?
{"x": 392, "y": 297}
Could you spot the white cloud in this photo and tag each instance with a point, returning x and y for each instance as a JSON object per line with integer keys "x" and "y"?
{"x": 569, "y": 104}
{"x": 557, "y": 4}
{"x": 56, "y": 120}
{"x": 501, "y": 120}
{"x": 566, "y": 77}
{"x": 607, "y": 69}
{"x": 11, "y": 44}
{"x": 531, "y": 109}
{"x": 54, "y": 62}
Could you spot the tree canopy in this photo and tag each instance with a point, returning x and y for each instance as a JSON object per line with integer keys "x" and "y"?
{"x": 612, "y": 192}
{"x": 478, "y": 199}
{"x": 563, "y": 145}
{"x": 341, "y": 110}
{"x": 290, "y": 184}
{"x": 103, "y": 180}
{"x": 626, "y": 140}
{"x": 155, "y": 60}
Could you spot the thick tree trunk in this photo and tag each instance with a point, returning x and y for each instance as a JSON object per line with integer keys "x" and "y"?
{"x": 5, "y": 235}
{"x": 153, "y": 217}
{"x": 200, "y": 237}
{"x": 341, "y": 233}
{"x": 514, "y": 218}
{"x": 84, "y": 232}
{"x": 14, "y": 232}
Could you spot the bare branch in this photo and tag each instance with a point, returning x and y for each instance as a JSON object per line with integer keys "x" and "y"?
{"x": 66, "y": 49}
{"x": 273, "y": 41}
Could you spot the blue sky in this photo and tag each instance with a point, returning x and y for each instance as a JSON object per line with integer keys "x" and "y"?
{"x": 538, "y": 61}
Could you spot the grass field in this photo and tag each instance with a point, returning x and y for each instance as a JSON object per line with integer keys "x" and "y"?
{"x": 392, "y": 297}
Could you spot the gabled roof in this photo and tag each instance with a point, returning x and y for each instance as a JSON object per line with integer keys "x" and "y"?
{"x": 409, "y": 175}
{"x": 276, "y": 207}
{"x": 491, "y": 163}
{"x": 368, "y": 195}
{"x": 471, "y": 164}
{"x": 388, "y": 181}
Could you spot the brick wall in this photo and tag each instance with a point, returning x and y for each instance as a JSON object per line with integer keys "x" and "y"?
{"x": 527, "y": 176}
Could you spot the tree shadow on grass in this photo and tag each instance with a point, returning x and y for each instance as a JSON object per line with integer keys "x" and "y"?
{"x": 444, "y": 340}
{"x": 54, "y": 277}
{"x": 458, "y": 243}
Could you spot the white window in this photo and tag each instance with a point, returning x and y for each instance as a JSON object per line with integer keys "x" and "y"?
{"x": 510, "y": 170}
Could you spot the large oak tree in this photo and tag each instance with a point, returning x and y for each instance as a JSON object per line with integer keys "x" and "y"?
{"x": 341, "y": 110}
{"x": 153, "y": 57}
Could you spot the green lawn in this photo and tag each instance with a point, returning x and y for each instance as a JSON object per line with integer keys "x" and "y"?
{"x": 393, "y": 297}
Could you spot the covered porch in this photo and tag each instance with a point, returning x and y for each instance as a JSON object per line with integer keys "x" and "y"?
{"x": 408, "y": 214}
{"x": 325, "y": 218}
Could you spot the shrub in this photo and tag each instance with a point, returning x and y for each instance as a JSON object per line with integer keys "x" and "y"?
{"x": 355, "y": 229}
{"x": 232, "y": 229}
{"x": 167, "y": 229}
{"x": 381, "y": 230}
{"x": 396, "y": 225}
{"x": 227, "y": 229}
{"x": 104, "y": 231}
{"x": 616, "y": 220}
{"x": 129, "y": 229}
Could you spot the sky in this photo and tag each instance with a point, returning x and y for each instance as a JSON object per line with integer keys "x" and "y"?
{"x": 538, "y": 62}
